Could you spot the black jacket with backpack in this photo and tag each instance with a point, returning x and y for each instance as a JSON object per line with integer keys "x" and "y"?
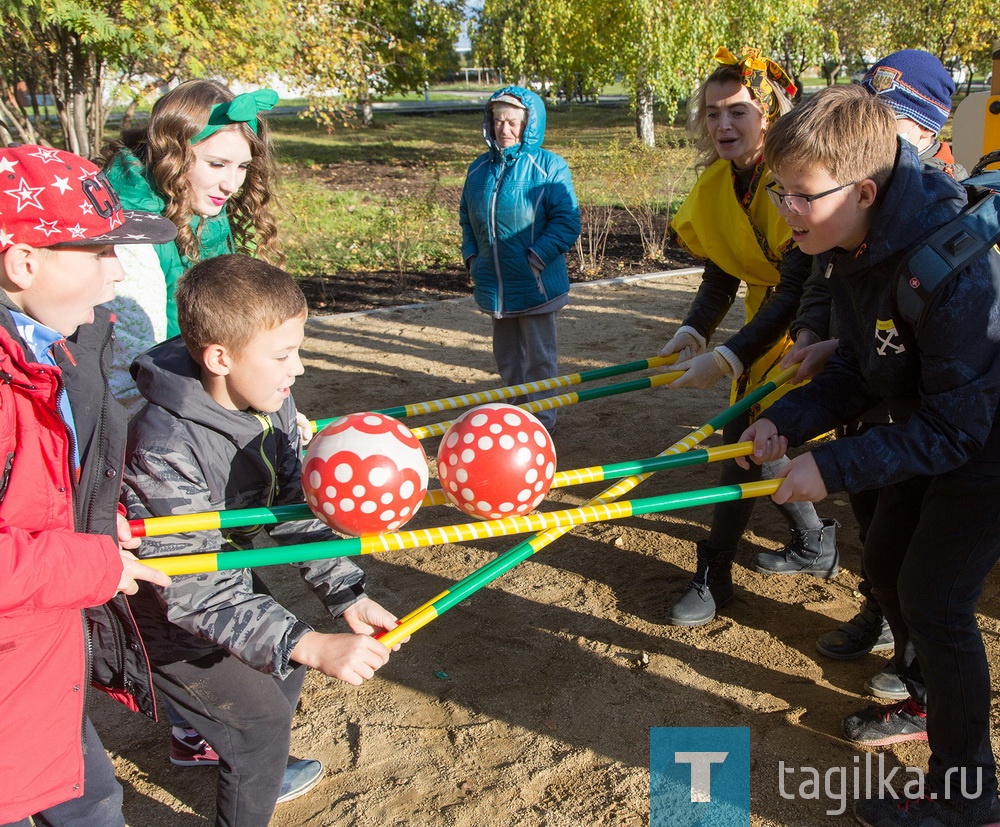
{"x": 941, "y": 382}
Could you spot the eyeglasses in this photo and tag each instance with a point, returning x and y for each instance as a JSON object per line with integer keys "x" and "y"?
{"x": 797, "y": 203}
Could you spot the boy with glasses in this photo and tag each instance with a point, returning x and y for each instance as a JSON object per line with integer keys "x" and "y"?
{"x": 935, "y": 533}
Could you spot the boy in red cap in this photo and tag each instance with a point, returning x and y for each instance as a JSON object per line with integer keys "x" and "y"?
{"x": 63, "y": 544}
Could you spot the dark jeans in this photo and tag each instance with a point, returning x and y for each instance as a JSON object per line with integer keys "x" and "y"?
{"x": 247, "y": 718}
{"x": 863, "y": 505}
{"x": 931, "y": 544}
{"x": 526, "y": 350}
{"x": 730, "y": 519}
{"x": 101, "y": 803}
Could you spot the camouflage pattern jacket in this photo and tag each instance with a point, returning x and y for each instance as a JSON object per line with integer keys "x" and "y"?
{"x": 186, "y": 454}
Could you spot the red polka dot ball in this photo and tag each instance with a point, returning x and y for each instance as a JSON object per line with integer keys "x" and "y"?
{"x": 365, "y": 473}
{"x": 495, "y": 461}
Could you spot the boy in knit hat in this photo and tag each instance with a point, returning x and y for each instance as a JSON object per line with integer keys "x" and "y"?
{"x": 918, "y": 89}
{"x": 64, "y": 623}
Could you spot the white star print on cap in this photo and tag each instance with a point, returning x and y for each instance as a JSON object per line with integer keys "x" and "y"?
{"x": 50, "y": 198}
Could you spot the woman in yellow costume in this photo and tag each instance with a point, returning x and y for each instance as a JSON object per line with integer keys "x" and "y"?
{"x": 730, "y": 223}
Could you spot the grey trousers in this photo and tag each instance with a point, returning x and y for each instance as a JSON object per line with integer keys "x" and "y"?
{"x": 101, "y": 802}
{"x": 526, "y": 350}
{"x": 246, "y": 716}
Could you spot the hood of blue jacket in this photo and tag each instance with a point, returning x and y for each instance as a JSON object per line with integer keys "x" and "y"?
{"x": 534, "y": 129}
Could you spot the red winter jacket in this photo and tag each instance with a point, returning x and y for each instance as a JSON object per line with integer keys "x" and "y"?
{"x": 49, "y": 571}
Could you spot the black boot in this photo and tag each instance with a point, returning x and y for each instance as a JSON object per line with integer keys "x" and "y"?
{"x": 866, "y": 632}
{"x": 810, "y": 552}
{"x": 710, "y": 589}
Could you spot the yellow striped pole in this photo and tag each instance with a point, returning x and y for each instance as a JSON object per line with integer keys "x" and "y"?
{"x": 564, "y": 399}
{"x": 421, "y": 538}
{"x": 498, "y": 394}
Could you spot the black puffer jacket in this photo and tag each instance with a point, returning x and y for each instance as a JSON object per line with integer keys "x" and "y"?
{"x": 942, "y": 387}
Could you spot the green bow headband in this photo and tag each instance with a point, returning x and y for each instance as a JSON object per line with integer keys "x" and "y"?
{"x": 760, "y": 75}
{"x": 241, "y": 109}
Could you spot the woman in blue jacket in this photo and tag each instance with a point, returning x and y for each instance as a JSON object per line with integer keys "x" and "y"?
{"x": 519, "y": 216}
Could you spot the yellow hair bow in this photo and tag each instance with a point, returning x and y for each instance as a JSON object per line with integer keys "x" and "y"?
{"x": 759, "y": 74}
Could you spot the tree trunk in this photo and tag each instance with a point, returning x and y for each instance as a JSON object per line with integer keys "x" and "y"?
{"x": 831, "y": 71}
{"x": 129, "y": 114}
{"x": 366, "y": 113}
{"x": 14, "y": 117}
{"x": 644, "y": 111}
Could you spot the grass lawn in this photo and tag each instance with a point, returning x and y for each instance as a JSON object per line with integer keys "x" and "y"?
{"x": 386, "y": 197}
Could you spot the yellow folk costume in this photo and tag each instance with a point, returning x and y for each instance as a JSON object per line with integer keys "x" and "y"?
{"x": 729, "y": 221}
{"x": 745, "y": 241}
{"x": 745, "y": 238}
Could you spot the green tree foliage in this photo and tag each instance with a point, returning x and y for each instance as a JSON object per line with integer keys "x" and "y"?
{"x": 62, "y": 53}
{"x": 349, "y": 52}
{"x": 656, "y": 47}
{"x": 55, "y": 53}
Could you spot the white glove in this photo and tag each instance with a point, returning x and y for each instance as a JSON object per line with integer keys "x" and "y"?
{"x": 686, "y": 344}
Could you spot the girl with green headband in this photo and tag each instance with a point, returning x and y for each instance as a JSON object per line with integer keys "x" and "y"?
{"x": 730, "y": 223}
{"x": 205, "y": 162}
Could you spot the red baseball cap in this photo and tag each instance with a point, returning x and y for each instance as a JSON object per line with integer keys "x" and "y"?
{"x": 51, "y": 198}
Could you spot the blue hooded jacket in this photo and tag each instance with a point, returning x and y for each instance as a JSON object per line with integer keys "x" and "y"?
{"x": 517, "y": 200}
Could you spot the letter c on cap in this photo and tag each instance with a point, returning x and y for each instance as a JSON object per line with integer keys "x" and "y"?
{"x": 100, "y": 194}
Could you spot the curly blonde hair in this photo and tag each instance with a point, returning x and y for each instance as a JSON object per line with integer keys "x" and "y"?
{"x": 697, "y": 124}
{"x": 164, "y": 148}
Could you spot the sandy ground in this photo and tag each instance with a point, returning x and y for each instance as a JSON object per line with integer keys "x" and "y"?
{"x": 531, "y": 703}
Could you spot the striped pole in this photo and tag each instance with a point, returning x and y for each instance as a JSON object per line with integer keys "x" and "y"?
{"x": 482, "y": 397}
{"x": 424, "y": 614}
{"x": 567, "y": 399}
{"x": 421, "y": 538}
{"x": 242, "y": 517}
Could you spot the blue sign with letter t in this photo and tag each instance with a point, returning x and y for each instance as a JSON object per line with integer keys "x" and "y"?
{"x": 699, "y": 776}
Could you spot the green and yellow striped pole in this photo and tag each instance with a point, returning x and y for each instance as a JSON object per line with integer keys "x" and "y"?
{"x": 421, "y": 538}
{"x": 242, "y": 517}
{"x": 498, "y": 394}
{"x": 563, "y": 399}
{"x": 570, "y": 398}
{"x": 424, "y": 614}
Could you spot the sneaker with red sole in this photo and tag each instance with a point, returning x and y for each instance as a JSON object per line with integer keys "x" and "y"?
{"x": 879, "y": 726}
{"x": 192, "y": 751}
{"x": 927, "y": 812}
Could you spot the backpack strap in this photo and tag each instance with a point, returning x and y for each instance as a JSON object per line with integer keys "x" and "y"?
{"x": 949, "y": 249}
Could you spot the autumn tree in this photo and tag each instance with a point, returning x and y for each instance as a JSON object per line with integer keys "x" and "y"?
{"x": 54, "y": 58}
{"x": 206, "y": 38}
{"x": 657, "y": 47}
{"x": 62, "y": 54}
{"x": 963, "y": 33}
{"x": 349, "y": 52}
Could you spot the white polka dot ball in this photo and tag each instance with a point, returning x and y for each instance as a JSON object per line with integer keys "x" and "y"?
{"x": 496, "y": 461}
{"x": 364, "y": 473}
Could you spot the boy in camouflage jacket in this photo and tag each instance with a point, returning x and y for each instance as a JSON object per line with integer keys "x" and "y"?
{"x": 219, "y": 432}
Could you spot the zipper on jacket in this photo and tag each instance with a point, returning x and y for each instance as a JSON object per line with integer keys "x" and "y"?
{"x": 267, "y": 428}
{"x": 5, "y": 479}
{"x": 88, "y": 672}
{"x": 494, "y": 237}
{"x": 101, "y": 442}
